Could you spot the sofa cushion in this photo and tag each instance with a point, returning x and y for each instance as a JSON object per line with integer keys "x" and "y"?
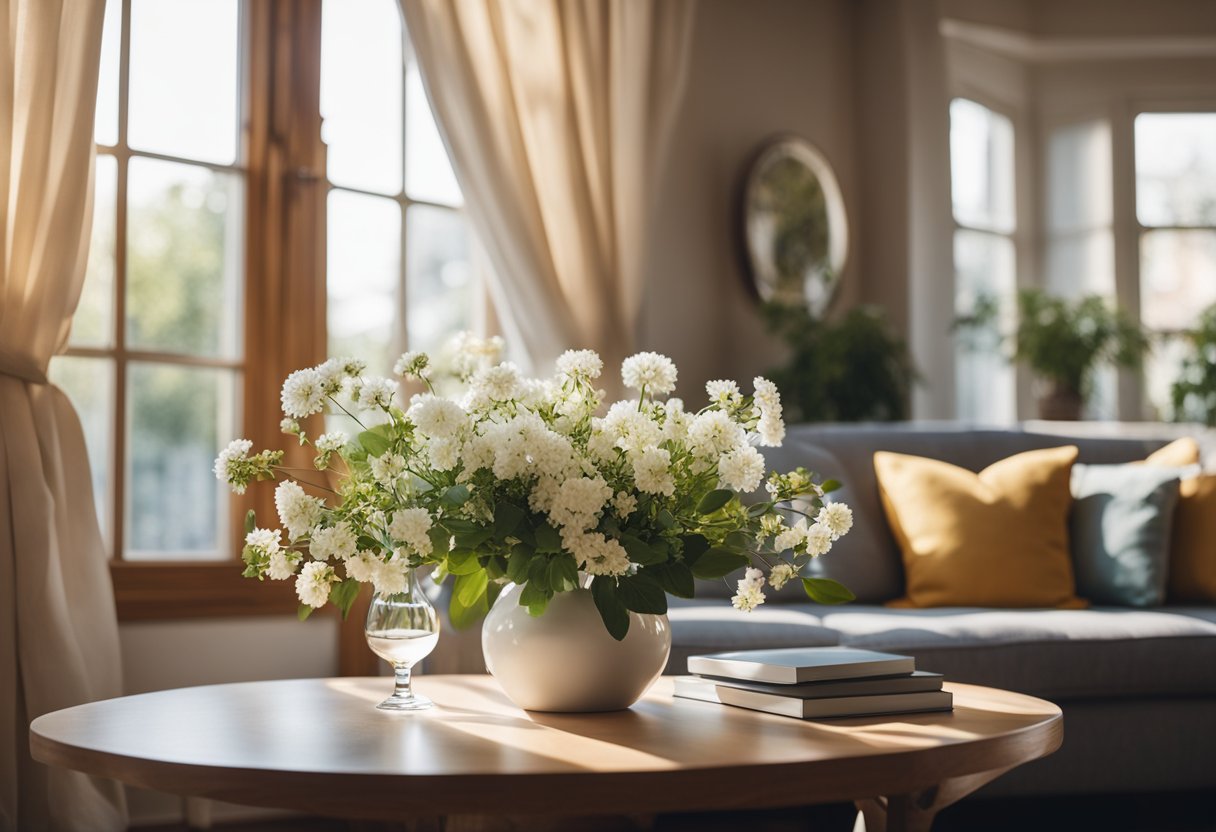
{"x": 1065, "y": 654}
{"x": 1120, "y": 527}
{"x": 716, "y": 626}
{"x": 998, "y": 538}
{"x": 1192, "y": 576}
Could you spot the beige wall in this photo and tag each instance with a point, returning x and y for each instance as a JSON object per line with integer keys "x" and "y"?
{"x": 862, "y": 80}
{"x": 759, "y": 69}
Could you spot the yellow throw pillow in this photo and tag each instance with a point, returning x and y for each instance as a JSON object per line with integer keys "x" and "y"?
{"x": 998, "y": 538}
{"x": 1192, "y": 575}
{"x": 1178, "y": 454}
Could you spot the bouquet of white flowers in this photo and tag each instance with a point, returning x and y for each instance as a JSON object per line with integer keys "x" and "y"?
{"x": 531, "y": 481}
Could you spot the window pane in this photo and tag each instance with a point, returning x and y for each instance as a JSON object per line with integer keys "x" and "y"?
{"x": 93, "y": 324}
{"x": 428, "y": 173}
{"x": 105, "y": 125}
{"x": 89, "y": 383}
{"x": 1079, "y": 177}
{"x": 1177, "y": 277}
{"x": 981, "y": 166}
{"x": 1082, "y": 264}
{"x": 1176, "y": 168}
{"x": 439, "y": 280}
{"x": 363, "y": 275}
{"x": 176, "y": 418}
{"x": 984, "y": 266}
{"x": 183, "y": 94}
{"x": 361, "y": 69}
{"x": 184, "y": 250}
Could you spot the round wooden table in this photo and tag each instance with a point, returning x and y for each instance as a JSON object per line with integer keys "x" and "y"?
{"x": 320, "y": 746}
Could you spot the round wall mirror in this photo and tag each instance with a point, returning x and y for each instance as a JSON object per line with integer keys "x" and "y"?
{"x": 795, "y": 230}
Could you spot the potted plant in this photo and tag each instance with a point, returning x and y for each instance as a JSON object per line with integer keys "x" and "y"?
{"x": 851, "y": 370}
{"x": 1193, "y": 395}
{"x": 532, "y": 497}
{"x": 1062, "y": 342}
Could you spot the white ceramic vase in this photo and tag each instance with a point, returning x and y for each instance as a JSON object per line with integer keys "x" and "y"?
{"x": 565, "y": 660}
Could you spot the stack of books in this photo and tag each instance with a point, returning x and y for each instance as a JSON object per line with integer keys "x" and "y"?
{"x": 815, "y": 682}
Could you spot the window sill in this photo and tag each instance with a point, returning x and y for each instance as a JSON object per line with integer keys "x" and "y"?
{"x": 159, "y": 591}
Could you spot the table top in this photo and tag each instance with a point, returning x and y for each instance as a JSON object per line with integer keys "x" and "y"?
{"x": 320, "y": 745}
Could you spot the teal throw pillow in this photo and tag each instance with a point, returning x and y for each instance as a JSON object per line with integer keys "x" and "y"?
{"x": 1120, "y": 528}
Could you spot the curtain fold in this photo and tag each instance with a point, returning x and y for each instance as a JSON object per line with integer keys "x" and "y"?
{"x": 557, "y": 115}
{"x": 59, "y": 639}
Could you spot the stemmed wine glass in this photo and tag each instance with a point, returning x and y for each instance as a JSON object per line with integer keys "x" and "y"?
{"x": 403, "y": 629}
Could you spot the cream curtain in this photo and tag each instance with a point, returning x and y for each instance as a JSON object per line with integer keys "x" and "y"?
{"x": 59, "y": 639}
{"x": 557, "y": 115}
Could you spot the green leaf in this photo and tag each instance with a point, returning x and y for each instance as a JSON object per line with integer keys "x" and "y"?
{"x": 829, "y": 486}
{"x": 455, "y": 525}
{"x": 718, "y": 562}
{"x": 517, "y": 563}
{"x": 374, "y": 442}
{"x": 537, "y": 609}
{"x": 507, "y": 518}
{"x": 738, "y": 541}
{"x": 548, "y": 539}
{"x": 759, "y": 509}
{"x": 303, "y": 611}
{"x": 674, "y": 577}
{"x": 641, "y": 552}
{"x": 496, "y": 567}
{"x": 492, "y": 593}
{"x": 463, "y": 562}
{"x": 827, "y": 591}
{"x": 695, "y": 545}
{"x": 714, "y": 500}
{"x": 534, "y": 594}
{"x": 462, "y": 615}
{"x": 538, "y": 574}
{"x": 470, "y": 587}
{"x": 251, "y": 520}
{"x": 614, "y": 614}
{"x": 665, "y": 519}
{"x": 474, "y": 539}
{"x": 641, "y": 594}
{"x": 441, "y": 540}
{"x": 455, "y": 496}
{"x": 562, "y": 574}
{"x": 342, "y": 595}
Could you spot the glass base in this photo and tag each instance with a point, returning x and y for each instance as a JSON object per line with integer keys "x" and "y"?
{"x": 405, "y": 703}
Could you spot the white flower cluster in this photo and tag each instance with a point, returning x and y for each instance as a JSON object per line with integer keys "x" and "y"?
{"x": 298, "y": 512}
{"x": 226, "y": 464}
{"x": 770, "y": 424}
{"x": 750, "y": 592}
{"x": 832, "y": 522}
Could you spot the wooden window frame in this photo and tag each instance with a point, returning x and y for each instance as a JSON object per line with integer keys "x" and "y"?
{"x": 282, "y": 160}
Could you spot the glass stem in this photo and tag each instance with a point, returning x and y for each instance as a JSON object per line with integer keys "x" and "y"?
{"x": 401, "y": 678}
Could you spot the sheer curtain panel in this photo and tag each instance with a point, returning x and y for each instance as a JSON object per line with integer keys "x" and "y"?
{"x": 59, "y": 639}
{"x": 557, "y": 115}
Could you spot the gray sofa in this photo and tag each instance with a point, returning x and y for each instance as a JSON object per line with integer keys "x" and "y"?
{"x": 1137, "y": 686}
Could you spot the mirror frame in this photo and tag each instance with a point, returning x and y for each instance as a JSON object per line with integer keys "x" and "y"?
{"x": 791, "y": 145}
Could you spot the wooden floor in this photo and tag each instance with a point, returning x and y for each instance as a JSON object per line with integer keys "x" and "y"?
{"x": 1181, "y": 812}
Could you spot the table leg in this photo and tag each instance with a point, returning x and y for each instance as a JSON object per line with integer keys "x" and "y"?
{"x": 915, "y": 812}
